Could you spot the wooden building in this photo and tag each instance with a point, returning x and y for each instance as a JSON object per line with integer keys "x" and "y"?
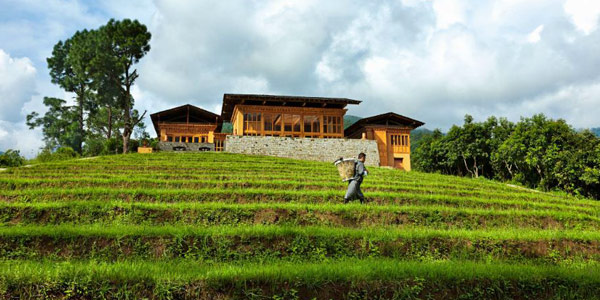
{"x": 188, "y": 124}
{"x": 286, "y": 116}
{"x": 392, "y": 133}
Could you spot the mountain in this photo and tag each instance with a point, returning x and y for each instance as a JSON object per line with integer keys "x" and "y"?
{"x": 596, "y": 131}
{"x": 349, "y": 120}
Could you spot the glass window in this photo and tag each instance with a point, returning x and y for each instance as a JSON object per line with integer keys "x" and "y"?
{"x": 177, "y": 139}
{"x": 252, "y": 122}
{"x": 196, "y": 139}
{"x": 287, "y": 122}
{"x": 311, "y": 124}
{"x": 277, "y": 122}
{"x": 297, "y": 123}
{"x": 169, "y": 138}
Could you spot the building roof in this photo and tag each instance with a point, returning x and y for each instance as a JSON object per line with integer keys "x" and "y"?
{"x": 231, "y": 100}
{"x": 387, "y": 119}
{"x": 186, "y": 113}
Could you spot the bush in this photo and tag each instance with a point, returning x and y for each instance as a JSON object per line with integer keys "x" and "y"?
{"x": 94, "y": 147}
{"x": 11, "y": 158}
{"x": 62, "y": 153}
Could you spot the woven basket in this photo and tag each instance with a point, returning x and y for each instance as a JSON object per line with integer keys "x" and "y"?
{"x": 345, "y": 168}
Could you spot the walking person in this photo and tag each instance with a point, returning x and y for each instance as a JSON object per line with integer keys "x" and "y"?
{"x": 354, "y": 183}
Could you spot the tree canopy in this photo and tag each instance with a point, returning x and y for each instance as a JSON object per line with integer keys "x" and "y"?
{"x": 97, "y": 66}
{"x": 537, "y": 152}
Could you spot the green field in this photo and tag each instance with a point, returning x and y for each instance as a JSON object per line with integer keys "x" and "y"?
{"x": 225, "y": 226}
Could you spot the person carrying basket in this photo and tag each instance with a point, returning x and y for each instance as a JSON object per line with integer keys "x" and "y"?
{"x": 358, "y": 172}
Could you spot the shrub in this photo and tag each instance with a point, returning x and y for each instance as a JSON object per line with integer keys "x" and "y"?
{"x": 11, "y": 158}
{"x": 62, "y": 153}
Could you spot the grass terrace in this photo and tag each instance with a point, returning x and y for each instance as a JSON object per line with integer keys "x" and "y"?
{"x": 227, "y": 226}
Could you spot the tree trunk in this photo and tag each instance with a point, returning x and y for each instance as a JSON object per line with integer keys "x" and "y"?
{"x": 127, "y": 124}
{"x": 80, "y": 99}
{"x": 109, "y": 126}
{"x": 467, "y": 166}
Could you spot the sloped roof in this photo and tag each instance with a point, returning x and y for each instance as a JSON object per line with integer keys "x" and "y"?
{"x": 179, "y": 114}
{"x": 231, "y": 100}
{"x": 387, "y": 119}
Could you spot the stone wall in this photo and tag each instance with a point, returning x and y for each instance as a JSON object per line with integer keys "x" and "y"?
{"x": 169, "y": 146}
{"x": 303, "y": 148}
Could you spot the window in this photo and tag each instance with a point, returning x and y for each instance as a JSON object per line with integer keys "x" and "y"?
{"x": 177, "y": 139}
{"x": 332, "y": 125}
{"x": 196, "y": 139}
{"x": 252, "y": 122}
{"x": 272, "y": 124}
{"x": 169, "y": 138}
{"x": 311, "y": 124}
{"x": 400, "y": 142}
{"x": 218, "y": 145}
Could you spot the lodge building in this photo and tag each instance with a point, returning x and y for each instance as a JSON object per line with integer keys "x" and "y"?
{"x": 188, "y": 127}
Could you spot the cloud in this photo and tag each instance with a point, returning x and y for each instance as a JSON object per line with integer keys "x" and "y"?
{"x": 584, "y": 14}
{"x": 434, "y": 60}
{"x": 17, "y": 85}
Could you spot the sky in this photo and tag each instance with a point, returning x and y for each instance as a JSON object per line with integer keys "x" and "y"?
{"x": 431, "y": 60}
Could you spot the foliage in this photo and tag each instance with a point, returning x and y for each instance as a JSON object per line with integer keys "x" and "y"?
{"x": 62, "y": 153}
{"x": 122, "y": 45}
{"x": 537, "y": 152}
{"x": 11, "y": 158}
{"x": 59, "y": 124}
{"x": 95, "y": 65}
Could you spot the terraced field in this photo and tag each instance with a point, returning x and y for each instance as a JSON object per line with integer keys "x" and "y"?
{"x": 220, "y": 226}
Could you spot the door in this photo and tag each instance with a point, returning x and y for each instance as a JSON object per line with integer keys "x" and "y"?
{"x": 398, "y": 163}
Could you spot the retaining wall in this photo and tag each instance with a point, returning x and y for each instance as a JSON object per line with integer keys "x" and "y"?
{"x": 303, "y": 148}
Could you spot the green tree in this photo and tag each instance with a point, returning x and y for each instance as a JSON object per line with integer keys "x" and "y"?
{"x": 70, "y": 68}
{"x": 11, "y": 158}
{"x": 59, "y": 124}
{"x": 123, "y": 44}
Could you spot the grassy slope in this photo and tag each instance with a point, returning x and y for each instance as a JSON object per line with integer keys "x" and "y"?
{"x": 177, "y": 225}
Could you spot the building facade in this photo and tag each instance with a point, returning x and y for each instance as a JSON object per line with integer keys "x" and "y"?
{"x": 191, "y": 128}
{"x": 285, "y": 116}
{"x": 391, "y": 131}
{"x": 187, "y": 125}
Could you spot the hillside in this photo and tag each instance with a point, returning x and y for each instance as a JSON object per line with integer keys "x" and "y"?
{"x": 596, "y": 131}
{"x": 349, "y": 120}
{"x": 219, "y": 225}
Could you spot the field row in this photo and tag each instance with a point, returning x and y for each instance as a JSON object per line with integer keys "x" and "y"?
{"x": 337, "y": 215}
{"x": 275, "y": 196}
{"x": 275, "y": 184}
{"x": 347, "y": 279}
{"x": 274, "y": 243}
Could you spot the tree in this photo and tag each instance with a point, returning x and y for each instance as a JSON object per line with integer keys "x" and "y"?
{"x": 123, "y": 44}
{"x": 70, "y": 68}
{"x": 11, "y": 158}
{"x": 59, "y": 124}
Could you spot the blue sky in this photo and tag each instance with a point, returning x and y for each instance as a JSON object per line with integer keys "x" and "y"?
{"x": 433, "y": 60}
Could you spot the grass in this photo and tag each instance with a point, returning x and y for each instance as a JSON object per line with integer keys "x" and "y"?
{"x": 219, "y": 225}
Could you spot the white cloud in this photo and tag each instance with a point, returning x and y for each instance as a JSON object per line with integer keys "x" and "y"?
{"x": 434, "y": 60}
{"x": 584, "y": 14}
{"x": 449, "y": 12}
{"x": 534, "y": 36}
{"x": 17, "y": 85}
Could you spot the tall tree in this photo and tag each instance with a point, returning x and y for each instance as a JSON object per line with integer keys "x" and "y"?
{"x": 59, "y": 124}
{"x": 123, "y": 44}
{"x": 70, "y": 68}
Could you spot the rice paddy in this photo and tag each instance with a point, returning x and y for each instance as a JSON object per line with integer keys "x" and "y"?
{"x": 226, "y": 226}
